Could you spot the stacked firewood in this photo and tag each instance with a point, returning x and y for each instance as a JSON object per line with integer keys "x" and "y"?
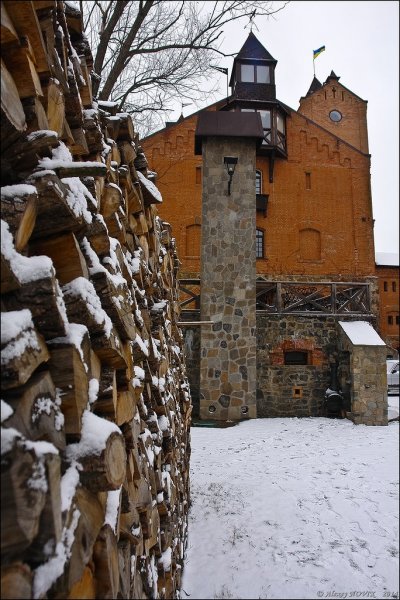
{"x": 95, "y": 407}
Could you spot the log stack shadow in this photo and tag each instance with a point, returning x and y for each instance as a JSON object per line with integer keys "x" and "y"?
{"x": 95, "y": 403}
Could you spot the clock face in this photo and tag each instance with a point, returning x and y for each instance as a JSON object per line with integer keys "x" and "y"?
{"x": 335, "y": 115}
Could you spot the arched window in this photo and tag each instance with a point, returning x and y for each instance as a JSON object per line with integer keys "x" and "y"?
{"x": 258, "y": 182}
{"x": 259, "y": 243}
{"x": 310, "y": 244}
{"x": 193, "y": 238}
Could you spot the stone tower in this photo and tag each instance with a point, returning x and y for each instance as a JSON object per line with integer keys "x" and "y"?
{"x": 228, "y": 293}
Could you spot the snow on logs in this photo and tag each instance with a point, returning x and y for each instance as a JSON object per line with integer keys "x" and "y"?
{"x": 95, "y": 403}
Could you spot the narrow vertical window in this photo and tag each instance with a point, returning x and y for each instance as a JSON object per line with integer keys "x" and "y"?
{"x": 198, "y": 174}
{"x": 390, "y": 320}
{"x": 258, "y": 182}
{"x": 308, "y": 181}
{"x": 259, "y": 243}
{"x": 394, "y": 287}
{"x": 385, "y": 286}
{"x": 397, "y": 320}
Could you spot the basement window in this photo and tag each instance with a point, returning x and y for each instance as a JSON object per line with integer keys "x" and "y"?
{"x": 296, "y": 357}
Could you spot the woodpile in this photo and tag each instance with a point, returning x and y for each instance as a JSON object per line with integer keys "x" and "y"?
{"x": 95, "y": 408}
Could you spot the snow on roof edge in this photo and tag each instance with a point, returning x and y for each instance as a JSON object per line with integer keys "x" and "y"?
{"x": 387, "y": 259}
{"x": 361, "y": 333}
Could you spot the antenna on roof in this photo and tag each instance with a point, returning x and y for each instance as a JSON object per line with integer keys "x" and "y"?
{"x": 251, "y": 19}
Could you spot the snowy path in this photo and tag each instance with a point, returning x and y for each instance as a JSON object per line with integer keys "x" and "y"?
{"x": 293, "y": 508}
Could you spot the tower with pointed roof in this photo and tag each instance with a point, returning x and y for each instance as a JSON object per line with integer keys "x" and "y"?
{"x": 253, "y": 89}
{"x": 337, "y": 109}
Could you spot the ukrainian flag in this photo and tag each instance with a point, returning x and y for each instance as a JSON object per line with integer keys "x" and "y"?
{"x": 318, "y": 52}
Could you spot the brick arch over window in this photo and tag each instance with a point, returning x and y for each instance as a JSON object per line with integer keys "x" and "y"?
{"x": 193, "y": 240}
{"x": 310, "y": 244}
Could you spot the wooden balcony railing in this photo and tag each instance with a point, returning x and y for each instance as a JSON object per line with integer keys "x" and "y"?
{"x": 302, "y": 298}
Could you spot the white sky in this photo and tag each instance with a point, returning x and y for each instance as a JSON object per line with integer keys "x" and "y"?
{"x": 293, "y": 508}
{"x": 362, "y": 48}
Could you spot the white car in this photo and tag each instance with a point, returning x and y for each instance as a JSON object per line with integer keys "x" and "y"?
{"x": 392, "y": 370}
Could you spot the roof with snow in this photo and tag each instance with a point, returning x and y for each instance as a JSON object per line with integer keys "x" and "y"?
{"x": 387, "y": 259}
{"x": 361, "y": 333}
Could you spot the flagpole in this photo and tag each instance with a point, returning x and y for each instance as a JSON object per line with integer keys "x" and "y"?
{"x": 313, "y": 62}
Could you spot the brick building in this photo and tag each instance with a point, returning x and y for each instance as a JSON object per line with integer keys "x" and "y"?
{"x": 314, "y": 228}
{"x": 387, "y": 271}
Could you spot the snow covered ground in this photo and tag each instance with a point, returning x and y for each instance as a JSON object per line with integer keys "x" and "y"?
{"x": 294, "y": 508}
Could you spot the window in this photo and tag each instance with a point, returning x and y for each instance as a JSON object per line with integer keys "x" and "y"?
{"x": 335, "y": 116}
{"x": 385, "y": 286}
{"x": 280, "y": 123}
{"x": 265, "y": 118}
{"x": 390, "y": 320}
{"x": 308, "y": 181}
{"x": 255, "y": 74}
{"x": 258, "y": 182}
{"x": 247, "y": 73}
{"x": 259, "y": 243}
{"x": 198, "y": 174}
{"x": 266, "y": 123}
{"x": 296, "y": 357}
{"x": 397, "y": 320}
{"x": 262, "y": 74}
{"x": 393, "y": 286}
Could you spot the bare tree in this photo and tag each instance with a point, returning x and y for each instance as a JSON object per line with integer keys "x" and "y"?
{"x": 149, "y": 52}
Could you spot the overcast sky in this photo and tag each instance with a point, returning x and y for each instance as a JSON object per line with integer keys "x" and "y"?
{"x": 362, "y": 48}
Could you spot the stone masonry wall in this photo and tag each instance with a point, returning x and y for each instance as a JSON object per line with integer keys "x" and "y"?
{"x": 367, "y": 382}
{"x": 228, "y": 295}
{"x": 286, "y": 390}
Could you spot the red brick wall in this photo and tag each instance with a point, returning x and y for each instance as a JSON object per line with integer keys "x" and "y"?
{"x": 171, "y": 154}
{"x": 389, "y": 304}
{"x": 332, "y": 96}
{"x": 325, "y": 231}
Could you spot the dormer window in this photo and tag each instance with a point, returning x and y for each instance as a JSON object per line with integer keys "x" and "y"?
{"x": 254, "y": 74}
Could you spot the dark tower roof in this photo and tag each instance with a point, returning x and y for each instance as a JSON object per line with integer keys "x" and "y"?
{"x": 315, "y": 85}
{"x": 252, "y": 49}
